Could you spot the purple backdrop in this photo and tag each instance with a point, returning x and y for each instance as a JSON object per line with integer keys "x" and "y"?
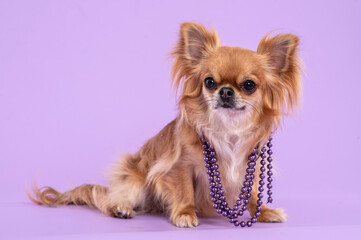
{"x": 83, "y": 81}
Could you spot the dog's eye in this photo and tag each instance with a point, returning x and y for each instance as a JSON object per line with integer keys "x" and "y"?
{"x": 249, "y": 86}
{"x": 209, "y": 83}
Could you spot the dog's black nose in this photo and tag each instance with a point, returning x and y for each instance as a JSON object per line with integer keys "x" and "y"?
{"x": 226, "y": 93}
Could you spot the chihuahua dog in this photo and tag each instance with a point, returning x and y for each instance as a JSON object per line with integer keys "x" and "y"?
{"x": 234, "y": 97}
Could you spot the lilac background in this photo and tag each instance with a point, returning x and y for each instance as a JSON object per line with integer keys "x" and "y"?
{"x": 83, "y": 81}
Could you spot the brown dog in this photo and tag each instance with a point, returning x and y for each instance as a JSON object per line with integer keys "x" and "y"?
{"x": 233, "y": 96}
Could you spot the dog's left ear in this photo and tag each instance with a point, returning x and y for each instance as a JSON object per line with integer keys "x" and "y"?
{"x": 282, "y": 64}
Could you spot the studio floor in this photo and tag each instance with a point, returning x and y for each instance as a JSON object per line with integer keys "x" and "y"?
{"x": 327, "y": 219}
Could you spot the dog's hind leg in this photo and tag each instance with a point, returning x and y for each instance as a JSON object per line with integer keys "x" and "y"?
{"x": 127, "y": 191}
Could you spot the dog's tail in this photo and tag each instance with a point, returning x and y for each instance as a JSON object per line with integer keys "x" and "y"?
{"x": 94, "y": 196}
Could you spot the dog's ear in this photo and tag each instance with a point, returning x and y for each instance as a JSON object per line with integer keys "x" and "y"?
{"x": 281, "y": 51}
{"x": 196, "y": 41}
{"x": 194, "y": 44}
{"x": 283, "y": 70}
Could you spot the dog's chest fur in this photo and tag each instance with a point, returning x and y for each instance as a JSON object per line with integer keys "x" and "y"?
{"x": 231, "y": 147}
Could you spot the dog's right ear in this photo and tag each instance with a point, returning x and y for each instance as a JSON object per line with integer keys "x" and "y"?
{"x": 196, "y": 41}
{"x": 194, "y": 44}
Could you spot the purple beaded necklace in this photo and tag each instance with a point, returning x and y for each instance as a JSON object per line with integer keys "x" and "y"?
{"x": 217, "y": 193}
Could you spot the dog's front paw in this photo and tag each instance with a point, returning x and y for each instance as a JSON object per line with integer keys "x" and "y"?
{"x": 272, "y": 215}
{"x": 185, "y": 220}
{"x": 122, "y": 212}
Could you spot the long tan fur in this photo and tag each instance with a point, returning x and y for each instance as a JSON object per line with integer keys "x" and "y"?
{"x": 167, "y": 174}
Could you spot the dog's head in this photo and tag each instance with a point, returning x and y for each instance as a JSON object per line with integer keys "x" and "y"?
{"x": 233, "y": 84}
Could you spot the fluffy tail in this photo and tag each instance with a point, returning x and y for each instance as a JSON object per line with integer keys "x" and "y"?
{"x": 94, "y": 196}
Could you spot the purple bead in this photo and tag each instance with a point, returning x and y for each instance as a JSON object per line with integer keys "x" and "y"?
{"x": 263, "y": 156}
{"x": 263, "y": 162}
{"x": 235, "y": 215}
{"x": 236, "y": 223}
{"x": 224, "y": 203}
{"x": 253, "y": 220}
{"x": 219, "y": 185}
{"x": 269, "y": 192}
{"x": 269, "y": 159}
{"x": 204, "y": 146}
{"x": 215, "y": 190}
{"x": 219, "y": 201}
{"x": 251, "y": 183}
{"x": 269, "y": 144}
{"x": 208, "y": 171}
{"x": 259, "y": 202}
{"x": 213, "y": 184}
{"x": 216, "y": 173}
{"x": 213, "y": 160}
{"x": 205, "y": 153}
{"x": 254, "y": 151}
{"x": 270, "y": 152}
{"x": 263, "y": 169}
{"x": 217, "y": 195}
{"x": 249, "y": 170}
{"x": 269, "y": 179}
{"x": 248, "y": 177}
{"x": 210, "y": 179}
{"x": 261, "y": 182}
{"x": 260, "y": 189}
{"x": 222, "y": 198}
{"x": 269, "y": 185}
{"x": 224, "y": 213}
{"x": 206, "y": 159}
{"x": 211, "y": 193}
{"x": 235, "y": 208}
{"x": 260, "y": 195}
{"x": 231, "y": 212}
{"x": 215, "y": 167}
{"x": 258, "y": 208}
{"x": 226, "y": 209}
{"x": 246, "y": 201}
{"x": 215, "y": 206}
{"x": 252, "y": 176}
{"x": 241, "y": 196}
{"x": 218, "y": 179}
{"x": 262, "y": 176}
{"x": 264, "y": 149}
{"x": 213, "y": 199}
{"x": 221, "y": 192}
{"x": 203, "y": 140}
{"x": 257, "y": 214}
{"x": 232, "y": 220}
{"x": 213, "y": 154}
{"x": 219, "y": 211}
{"x": 240, "y": 213}
{"x": 243, "y": 224}
{"x": 244, "y": 189}
{"x": 252, "y": 158}
{"x": 244, "y": 208}
{"x": 248, "y": 195}
{"x": 207, "y": 165}
{"x": 270, "y": 139}
{"x": 269, "y": 173}
{"x": 249, "y": 224}
{"x": 246, "y": 184}
{"x": 269, "y": 166}
{"x": 269, "y": 200}
{"x": 239, "y": 203}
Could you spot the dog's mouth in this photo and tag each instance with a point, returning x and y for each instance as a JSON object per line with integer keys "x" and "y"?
{"x": 231, "y": 107}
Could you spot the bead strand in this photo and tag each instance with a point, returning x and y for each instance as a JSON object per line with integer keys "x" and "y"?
{"x": 217, "y": 193}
